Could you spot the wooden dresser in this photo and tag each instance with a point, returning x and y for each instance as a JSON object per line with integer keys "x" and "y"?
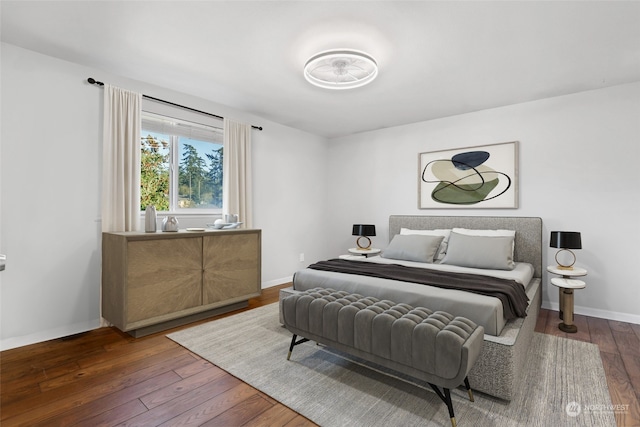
{"x": 154, "y": 281}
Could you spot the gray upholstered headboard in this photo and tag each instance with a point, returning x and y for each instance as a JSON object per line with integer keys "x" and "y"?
{"x": 528, "y": 247}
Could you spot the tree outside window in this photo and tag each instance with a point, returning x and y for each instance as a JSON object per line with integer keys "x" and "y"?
{"x": 180, "y": 173}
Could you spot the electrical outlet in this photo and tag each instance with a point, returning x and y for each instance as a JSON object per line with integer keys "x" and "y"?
{"x": 301, "y": 257}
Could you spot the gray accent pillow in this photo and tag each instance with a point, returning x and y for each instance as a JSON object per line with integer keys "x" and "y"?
{"x": 413, "y": 247}
{"x": 488, "y": 252}
{"x": 438, "y": 232}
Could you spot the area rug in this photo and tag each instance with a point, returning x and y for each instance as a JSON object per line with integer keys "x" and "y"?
{"x": 564, "y": 382}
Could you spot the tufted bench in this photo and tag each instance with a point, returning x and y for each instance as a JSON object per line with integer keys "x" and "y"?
{"x": 435, "y": 347}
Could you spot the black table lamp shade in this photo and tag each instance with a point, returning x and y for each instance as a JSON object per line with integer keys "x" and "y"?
{"x": 566, "y": 240}
{"x": 364, "y": 230}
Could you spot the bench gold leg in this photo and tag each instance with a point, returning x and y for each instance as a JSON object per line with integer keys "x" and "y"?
{"x": 453, "y": 422}
{"x": 468, "y": 387}
{"x": 293, "y": 343}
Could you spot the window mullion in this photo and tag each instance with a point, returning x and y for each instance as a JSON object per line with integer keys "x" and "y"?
{"x": 175, "y": 171}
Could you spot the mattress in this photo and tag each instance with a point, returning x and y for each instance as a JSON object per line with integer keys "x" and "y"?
{"x": 483, "y": 310}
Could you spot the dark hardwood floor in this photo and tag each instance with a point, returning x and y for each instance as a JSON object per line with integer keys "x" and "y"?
{"x": 105, "y": 377}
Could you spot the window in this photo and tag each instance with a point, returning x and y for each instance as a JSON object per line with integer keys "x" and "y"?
{"x": 180, "y": 165}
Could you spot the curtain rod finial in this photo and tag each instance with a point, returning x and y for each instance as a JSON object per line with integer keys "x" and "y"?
{"x": 94, "y": 81}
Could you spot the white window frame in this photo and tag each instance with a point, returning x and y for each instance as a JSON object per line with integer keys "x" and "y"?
{"x": 184, "y": 118}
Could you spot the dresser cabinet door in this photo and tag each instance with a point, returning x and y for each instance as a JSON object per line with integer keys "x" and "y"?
{"x": 163, "y": 276}
{"x": 231, "y": 267}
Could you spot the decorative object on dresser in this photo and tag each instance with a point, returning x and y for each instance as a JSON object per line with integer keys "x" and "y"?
{"x": 363, "y": 231}
{"x": 151, "y": 282}
{"x": 150, "y": 219}
{"x": 476, "y": 177}
{"x": 170, "y": 223}
{"x": 565, "y": 241}
{"x": 231, "y": 218}
{"x": 219, "y": 223}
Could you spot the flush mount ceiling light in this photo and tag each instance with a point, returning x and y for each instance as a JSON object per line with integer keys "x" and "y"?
{"x": 340, "y": 69}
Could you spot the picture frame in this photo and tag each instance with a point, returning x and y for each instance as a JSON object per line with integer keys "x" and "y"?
{"x": 477, "y": 177}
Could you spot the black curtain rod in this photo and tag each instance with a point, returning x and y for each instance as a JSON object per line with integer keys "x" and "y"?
{"x": 95, "y": 82}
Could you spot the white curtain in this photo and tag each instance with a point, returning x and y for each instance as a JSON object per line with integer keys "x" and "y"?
{"x": 237, "y": 171}
{"x": 121, "y": 160}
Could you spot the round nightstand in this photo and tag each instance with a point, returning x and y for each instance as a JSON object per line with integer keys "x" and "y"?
{"x": 366, "y": 252}
{"x": 566, "y": 284}
{"x": 351, "y": 257}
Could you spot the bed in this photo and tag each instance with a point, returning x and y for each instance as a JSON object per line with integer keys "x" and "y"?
{"x": 508, "y": 320}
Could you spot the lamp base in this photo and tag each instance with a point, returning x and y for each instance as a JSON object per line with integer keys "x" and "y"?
{"x": 565, "y": 266}
{"x": 364, "y": 248}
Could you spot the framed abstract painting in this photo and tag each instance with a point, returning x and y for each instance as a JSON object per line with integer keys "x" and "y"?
{"x": 474, "y": 177}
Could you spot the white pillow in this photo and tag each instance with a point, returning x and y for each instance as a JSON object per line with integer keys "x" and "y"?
{"x": 442, "y": 250}
{"x": 487, "y": 252}
{"x": 499, "y": 233}
{"x": 472, "y": 232}
{"x": 412, "y": 248}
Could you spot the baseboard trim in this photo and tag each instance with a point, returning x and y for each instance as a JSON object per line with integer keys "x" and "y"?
{"x": 277, "y": 282}
{"x": 594, "y": 312}
{"x": 50, "y": 334}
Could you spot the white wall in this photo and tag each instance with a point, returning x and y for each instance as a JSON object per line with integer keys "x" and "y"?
{"x": 290, "y": 199}
{"x": 578, "y": 171}
{"x": 50, "y": 204}
{"x": 50, "y": 172}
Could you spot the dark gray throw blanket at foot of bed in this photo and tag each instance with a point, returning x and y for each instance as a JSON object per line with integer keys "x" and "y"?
{"x": 509, "y": 292}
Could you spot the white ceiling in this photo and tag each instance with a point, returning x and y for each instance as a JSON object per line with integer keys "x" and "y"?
{"x": 436, "y": 59}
